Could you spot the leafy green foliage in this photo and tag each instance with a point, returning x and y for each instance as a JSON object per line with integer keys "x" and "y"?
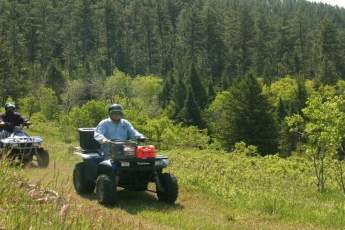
{"x": 269, "y": 185}
{"x": 117, "y": 85}
{"x": 323, "y": 127}
{"x": 48, "y": 103}
{"x": 29, "y": 105}
{"x": 215, "y": 114}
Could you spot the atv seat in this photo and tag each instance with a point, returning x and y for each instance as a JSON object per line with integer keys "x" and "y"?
{"x": 88, "y": 154}
{"x": 88, "y": 151}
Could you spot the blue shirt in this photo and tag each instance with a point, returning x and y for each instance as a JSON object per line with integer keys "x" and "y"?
{"x": 121, "y": 131}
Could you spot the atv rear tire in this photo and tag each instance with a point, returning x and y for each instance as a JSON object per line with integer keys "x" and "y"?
{"x": 42, "y": 158}
{"x": 106, "y": 191}
{"x": 169, "y": 186}
{"x": 81, "y": 184}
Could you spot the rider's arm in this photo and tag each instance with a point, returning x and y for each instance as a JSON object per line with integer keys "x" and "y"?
{"x": 100, "y": 132}
{"x": 21, "y": 120}
{"x": 133, "y": 133}
{"x": 17, "y": 120}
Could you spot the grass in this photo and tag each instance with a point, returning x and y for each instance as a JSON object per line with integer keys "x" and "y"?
{"x": 22, "y": 209}
{"x": 218, "y": 191}
{"x": 281, "y": 188}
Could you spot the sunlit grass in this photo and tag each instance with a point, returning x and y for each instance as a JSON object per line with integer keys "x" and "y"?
{"x": 272, "y": 186}
{"x": 218, "y": 191}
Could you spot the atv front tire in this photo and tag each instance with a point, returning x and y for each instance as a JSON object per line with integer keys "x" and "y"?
{"x": 169, "y": 188}
{"x": 106, "y": 190}
{"x": 81, "y": 184}
{"x": 42, "y": 158}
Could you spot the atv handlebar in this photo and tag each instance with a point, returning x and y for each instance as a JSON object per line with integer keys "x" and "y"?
{"x": 26, "y": 123}
{"x": 116, "y": 142}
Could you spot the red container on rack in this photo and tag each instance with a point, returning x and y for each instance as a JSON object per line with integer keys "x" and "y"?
{"x": 144, "y": 152}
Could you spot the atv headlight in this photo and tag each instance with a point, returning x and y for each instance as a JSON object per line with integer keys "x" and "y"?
{"x": 162, "y": 163}
{"x": 125, "y": 164}
{"x": 14, "y": 145}
{"x": 129, "y": 150}
{"x": 37, "y": 144}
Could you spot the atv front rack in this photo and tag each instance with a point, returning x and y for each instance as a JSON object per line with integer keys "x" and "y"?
{"x": 89, "y": 154}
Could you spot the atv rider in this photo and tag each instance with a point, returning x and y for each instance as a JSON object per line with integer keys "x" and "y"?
{"x": 11, "y": 118}
{"x": 116, "y": 128}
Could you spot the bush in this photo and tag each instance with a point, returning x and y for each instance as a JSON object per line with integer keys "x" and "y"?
{"x": 29, "y": 105}
{"x": 118, "y": 85}
{"x": 44, "y": 101}
{"x": 247, "y": 150}
{"x": 48, "y": 103}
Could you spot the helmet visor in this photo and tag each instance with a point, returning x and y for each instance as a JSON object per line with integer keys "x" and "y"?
{"x": 115, "y": 112}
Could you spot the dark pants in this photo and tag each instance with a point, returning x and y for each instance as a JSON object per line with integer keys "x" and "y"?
{"x": 4, "y": 134}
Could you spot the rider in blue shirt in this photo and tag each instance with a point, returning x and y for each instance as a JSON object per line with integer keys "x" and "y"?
{"x": 116, "y": 128}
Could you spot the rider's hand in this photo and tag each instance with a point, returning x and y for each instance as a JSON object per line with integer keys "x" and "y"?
{"x": 142, "y": 139}
{"x": 106, "y": 141}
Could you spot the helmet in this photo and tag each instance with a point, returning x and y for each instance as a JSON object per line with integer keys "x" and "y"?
{"x": 115, "y": 108}
{"x": 10, "y": 106}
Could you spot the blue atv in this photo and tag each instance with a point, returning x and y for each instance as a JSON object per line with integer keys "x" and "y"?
{"x": 18, "y": 146}
{"x": 120, "y": 164}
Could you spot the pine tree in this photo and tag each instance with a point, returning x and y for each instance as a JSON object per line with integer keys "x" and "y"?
{"x": 281, "y": 110}
{"x": 167, "y": 91}
{"x": 328, "y": 73}
{"x": 285, "y": 49}
{"x": 263, "y": 51}
{"x": 287, "y": 140}
{"x": 190, "y": 38}
{"x": 211, "y": 93}
{"x": 214, "y": 43}
{"x": 55, "y": 79}
{"x": 140, "y": 37}
{"x": 5, "y": 71}
{"x": 86, "y": 30}
{"x": 12, "y": 76}
{"x": 232, "y": 41}
{"x": 166, "y": 36}
{"x": 179, "y": 96}
{"x": 246, "y": 40}
{"x": 111, "y": 41}
{"x": 190, "y": 114}
{"x": 198, "y": 89}
{"x": 301, "y": 54}
{"x": 301, "y": 95}
{"x": 248, "y": 117}
{"x": 329, "y": 53}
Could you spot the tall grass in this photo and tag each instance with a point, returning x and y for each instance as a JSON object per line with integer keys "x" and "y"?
{"x": 281, "y": 188}
{"x": 254, "y": 187}
{"x": 21, "y": 208}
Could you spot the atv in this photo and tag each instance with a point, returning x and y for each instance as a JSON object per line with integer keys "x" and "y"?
{"x": 123, "y": 164}
{"x": 18, "y": 146}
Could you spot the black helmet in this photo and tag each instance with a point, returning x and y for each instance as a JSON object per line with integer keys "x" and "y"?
{"x": 10, "y": 106}
{"x": 115, "y": 108}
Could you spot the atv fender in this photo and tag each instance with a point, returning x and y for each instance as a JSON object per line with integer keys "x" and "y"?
{"x": 106, "y": 167}
{"x": 90, "y": 169}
